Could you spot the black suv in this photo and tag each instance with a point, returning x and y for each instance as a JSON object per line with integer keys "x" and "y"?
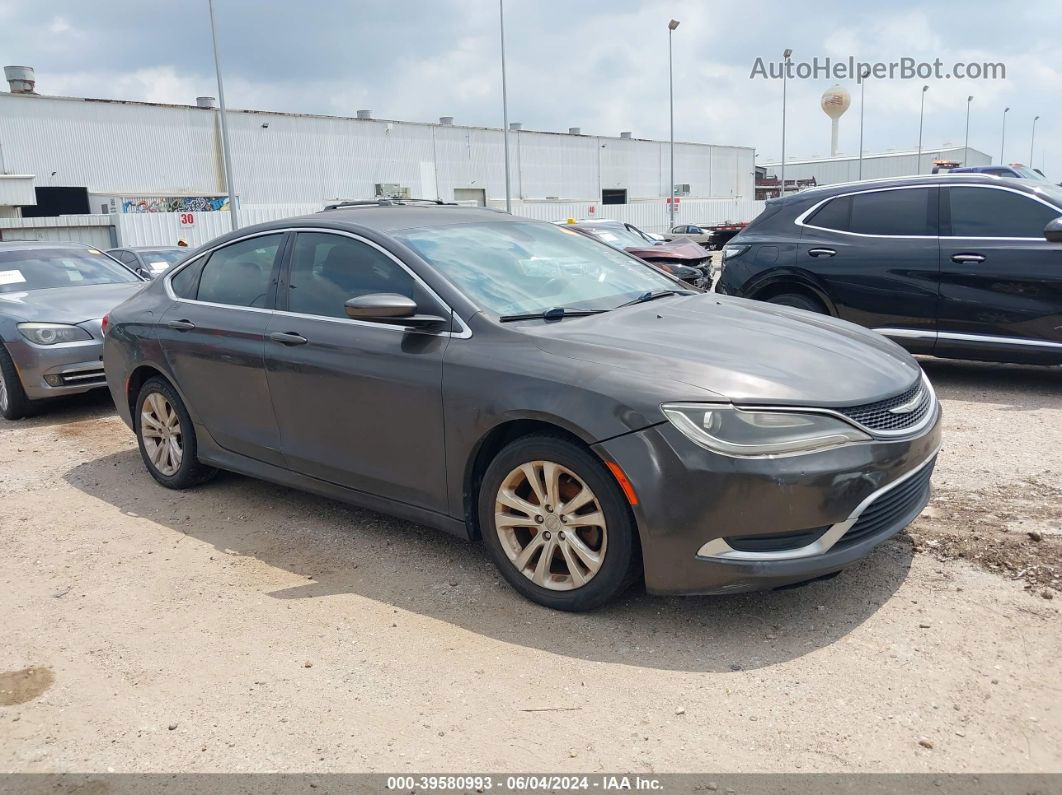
{"x": 958, "y": 266}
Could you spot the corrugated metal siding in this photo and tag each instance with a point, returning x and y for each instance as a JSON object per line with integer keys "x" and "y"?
{"x": 128, "y": 149}
{"x": 901, "y": 164}
{"x": 95, "y": 230}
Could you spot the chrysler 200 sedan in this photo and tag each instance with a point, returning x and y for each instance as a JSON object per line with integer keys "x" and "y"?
{"x": 588, "y": 417}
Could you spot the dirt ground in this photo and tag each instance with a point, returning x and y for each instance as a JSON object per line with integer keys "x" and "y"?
{"x": 246, "y": 627}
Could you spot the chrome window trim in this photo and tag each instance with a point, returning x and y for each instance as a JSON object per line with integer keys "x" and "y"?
{"x": 718, "y": 549}
{"x": 904, "y": 333}
{"x": 801, "y": 219}
{"x": 464, "y": 333}
{"x": 903, "y": 433}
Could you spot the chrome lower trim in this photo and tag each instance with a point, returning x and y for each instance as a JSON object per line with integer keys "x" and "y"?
{"x": 718, "y": 549}
{"x": 954, "y": 336}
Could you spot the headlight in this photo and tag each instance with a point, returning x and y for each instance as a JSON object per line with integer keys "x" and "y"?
{"x": 737, "y": 432}
{"x": 52, "y": 333}
{"x": 734, "y": 250}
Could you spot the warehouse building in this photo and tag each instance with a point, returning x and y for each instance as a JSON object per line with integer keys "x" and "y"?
{"x": 65, "y": 155}
{"x": 880, "y": 165}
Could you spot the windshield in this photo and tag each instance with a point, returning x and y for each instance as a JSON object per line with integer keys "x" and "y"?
{"x": 1028, "y": 173}
{"x": 1053, "y": 193}
{"x": 524, "y": 268}
{"x": 43, "y": 268}
{"x": 619, "y": 236}
{"x": 165, "y": 256}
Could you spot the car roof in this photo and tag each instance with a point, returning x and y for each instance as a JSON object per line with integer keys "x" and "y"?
{"x": 388, "y": 218}
{"x": 151, "y": 248}
{"x": 825, "y": 191}
{"x": 17, "y": 245}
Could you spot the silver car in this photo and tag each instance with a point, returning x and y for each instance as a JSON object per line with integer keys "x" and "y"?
{"x": 149, "y": 261}
{"x": 691, "y": 232}
{"x": 53, "y": 297}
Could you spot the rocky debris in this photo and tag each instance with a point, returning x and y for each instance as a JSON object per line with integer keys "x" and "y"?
{"x": 980, "y": 527}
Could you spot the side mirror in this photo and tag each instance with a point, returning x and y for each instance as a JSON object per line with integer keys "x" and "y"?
{"x": 1053, "y": 231}
{"x": 390, "y": 308}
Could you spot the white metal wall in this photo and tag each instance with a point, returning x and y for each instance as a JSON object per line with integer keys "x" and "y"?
{"x": 164, "y": 229}
{"x": 94, "y": 230}
{"x": 122, "y": 148}
{"x": 901, "y": 164}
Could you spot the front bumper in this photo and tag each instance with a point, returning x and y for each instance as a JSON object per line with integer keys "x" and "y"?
{"x": 50, "y": 371}
{"x": 713, "y": 524}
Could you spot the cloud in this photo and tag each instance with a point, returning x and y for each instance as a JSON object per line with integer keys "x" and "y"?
{"x": 597, "y": 64}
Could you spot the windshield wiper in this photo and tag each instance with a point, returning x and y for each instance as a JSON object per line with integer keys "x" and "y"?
{"x": 652, "y": 295}
{"x": 556, "y": 313}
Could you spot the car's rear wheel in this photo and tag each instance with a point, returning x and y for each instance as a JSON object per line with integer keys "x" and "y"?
{"x": 557, "y": 525}
{"x": 14, "y": 405}
{"x": 166, "y": 437}
{"x": 799, "y": 301}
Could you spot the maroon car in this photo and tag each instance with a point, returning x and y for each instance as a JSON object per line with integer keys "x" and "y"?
{"x": 688, "y": 261}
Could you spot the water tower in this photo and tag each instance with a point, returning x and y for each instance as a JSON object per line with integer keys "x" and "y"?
{"x": 835, "y": 102}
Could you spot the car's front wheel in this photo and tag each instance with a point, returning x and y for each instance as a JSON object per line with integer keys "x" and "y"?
{"x": 166, "y": 437}
{"x": 14, "y": 405}
{"x": 557, "y": 525}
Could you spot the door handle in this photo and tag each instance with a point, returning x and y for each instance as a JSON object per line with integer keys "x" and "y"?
{"x": 181, "y": 325}
{"x": 822, "y": 252}
{"x": 968, "y": 258}
{"x": 288, "y": 338}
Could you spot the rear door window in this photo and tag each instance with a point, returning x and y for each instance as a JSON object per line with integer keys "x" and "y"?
{"x": 991, "y": 212}
{"x": 892, "y": 212}
{"x": 240, "y": 274}
{"x": 835, "y": 214}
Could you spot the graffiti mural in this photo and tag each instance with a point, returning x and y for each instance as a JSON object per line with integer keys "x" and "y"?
{"x": 176, "y": 204}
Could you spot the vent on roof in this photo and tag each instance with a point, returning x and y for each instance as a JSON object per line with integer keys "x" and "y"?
{"x": 516, "y": 125}
{"x": 446, "y": 121}
{"x": 21, "y": 79}
{"x": 364, "y": 114}
{"x": 575, "y": 131}
{"x": 204, "y": 102}
{"x": 626, "y": 134}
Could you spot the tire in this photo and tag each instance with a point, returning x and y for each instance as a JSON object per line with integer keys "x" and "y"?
{"x": 166, "y": 437}
{"x": 799, "y": 301}
{"x": 589, "y": 563}
{"x": 14, "y": 405}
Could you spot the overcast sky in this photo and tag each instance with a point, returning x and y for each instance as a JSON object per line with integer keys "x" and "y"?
{"x": 596, "y": 64}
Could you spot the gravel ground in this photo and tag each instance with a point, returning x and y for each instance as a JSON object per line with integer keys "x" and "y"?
{"x": 246, "y": 627}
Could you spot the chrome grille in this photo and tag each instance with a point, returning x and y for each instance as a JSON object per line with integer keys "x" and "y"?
{"x": 883, "y": 415}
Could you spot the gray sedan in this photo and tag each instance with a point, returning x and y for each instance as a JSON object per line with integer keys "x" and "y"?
{"x": 52, "y": 299}
{"x": 592, "y": 420}
{"x": 149, "y": 261}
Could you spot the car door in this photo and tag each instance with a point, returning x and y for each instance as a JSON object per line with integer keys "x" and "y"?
{"x": 1001, "y": 280}
{"x": 213, "y": 337}
{"x": 875, "y": 253}
{"x": 358, "y": 403}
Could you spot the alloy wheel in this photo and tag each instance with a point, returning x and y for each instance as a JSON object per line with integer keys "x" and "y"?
{"x": 3, "y": 393}
{"x": 551, "y": 525}
{"x": 160, "y": 429}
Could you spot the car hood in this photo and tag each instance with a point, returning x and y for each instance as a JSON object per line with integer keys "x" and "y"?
{"x": 66, "y": 304}
{"x": 744, "y": 351}
{"x": 681, "y": 250}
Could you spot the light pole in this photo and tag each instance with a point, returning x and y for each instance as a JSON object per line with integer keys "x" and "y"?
{"x": 505, "y": 108}
{"x": 1032, "y": 143}
{"x": 863, "y": 75}
{"x": 233, "y": 213}
{"x": 966, "y": 145}
{"x": 671, "y": 102}
{"x": 921, "y": 116}
{"x": 1003, "y": 135}
{"x": 785, "y": 73}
